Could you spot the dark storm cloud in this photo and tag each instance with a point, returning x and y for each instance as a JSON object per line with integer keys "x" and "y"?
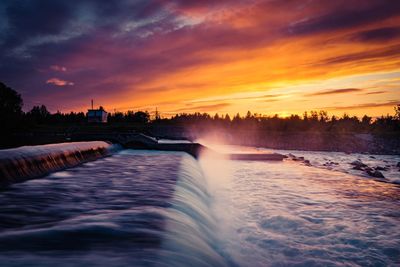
{"x": 31, "y": 19}
{"x": 37, "y": 17}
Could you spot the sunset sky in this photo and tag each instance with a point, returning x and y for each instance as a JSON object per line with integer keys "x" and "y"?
{"x": 267, "y": 56}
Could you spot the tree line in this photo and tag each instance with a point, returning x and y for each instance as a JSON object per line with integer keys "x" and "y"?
{"x": 309, "y": 121}
{"x": 13, "y": 118}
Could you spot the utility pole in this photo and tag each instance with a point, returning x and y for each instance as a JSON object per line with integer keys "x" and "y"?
{"x": 157, "y": 115}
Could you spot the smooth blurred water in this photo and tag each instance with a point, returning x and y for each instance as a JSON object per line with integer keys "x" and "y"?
{"x": 135, "y": 208}
{"x": 153, "y": 208}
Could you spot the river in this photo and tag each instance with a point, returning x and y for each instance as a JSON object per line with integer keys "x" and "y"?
{"x": 153, "y": 208}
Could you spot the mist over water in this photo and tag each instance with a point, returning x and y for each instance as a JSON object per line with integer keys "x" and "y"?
{"x": 153, "y": 208}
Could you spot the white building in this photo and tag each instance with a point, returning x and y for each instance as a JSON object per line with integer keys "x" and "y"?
{"x": 97, "y": 115}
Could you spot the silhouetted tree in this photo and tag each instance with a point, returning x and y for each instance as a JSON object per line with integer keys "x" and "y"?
{"x": 366, "y": 120}
{"x": 397, "y": 112}
{"x": 323, "y": 116}
{"x": 10, "y": 107}
{"x": 227, "y": 118}
{"x": 236, "y": 119}
{"x": 248, "y": 115}
{"x": 39, "y": 114}
{"x": 141, "y": 117}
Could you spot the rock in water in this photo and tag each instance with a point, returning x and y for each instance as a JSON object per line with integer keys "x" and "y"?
{"x": 379, "y": 168}
{"x": 359, "y": 168}
{"x": 368, "y": 169}
{"x": 375, "y": 173}
{"x": 359, "y": 164}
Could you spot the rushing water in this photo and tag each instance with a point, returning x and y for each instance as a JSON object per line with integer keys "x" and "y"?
{"x": 152, "y": 208}
{"x": 286, "y": 214}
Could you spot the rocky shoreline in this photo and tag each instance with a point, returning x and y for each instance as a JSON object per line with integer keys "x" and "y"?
{"x": 384, "y": 168}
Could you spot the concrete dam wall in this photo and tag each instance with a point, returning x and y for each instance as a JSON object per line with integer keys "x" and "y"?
{"x": 23, "y": 163}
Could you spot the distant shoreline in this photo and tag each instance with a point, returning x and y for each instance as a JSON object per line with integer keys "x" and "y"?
{"x": 327, "y": 142}
{"x": 305, "y": 141}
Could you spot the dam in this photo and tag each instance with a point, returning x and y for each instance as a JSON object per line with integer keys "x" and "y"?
{"x": 29, "y": 162}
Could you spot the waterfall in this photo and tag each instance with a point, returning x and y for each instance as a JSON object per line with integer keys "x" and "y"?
{"x": 190, "y": 230}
